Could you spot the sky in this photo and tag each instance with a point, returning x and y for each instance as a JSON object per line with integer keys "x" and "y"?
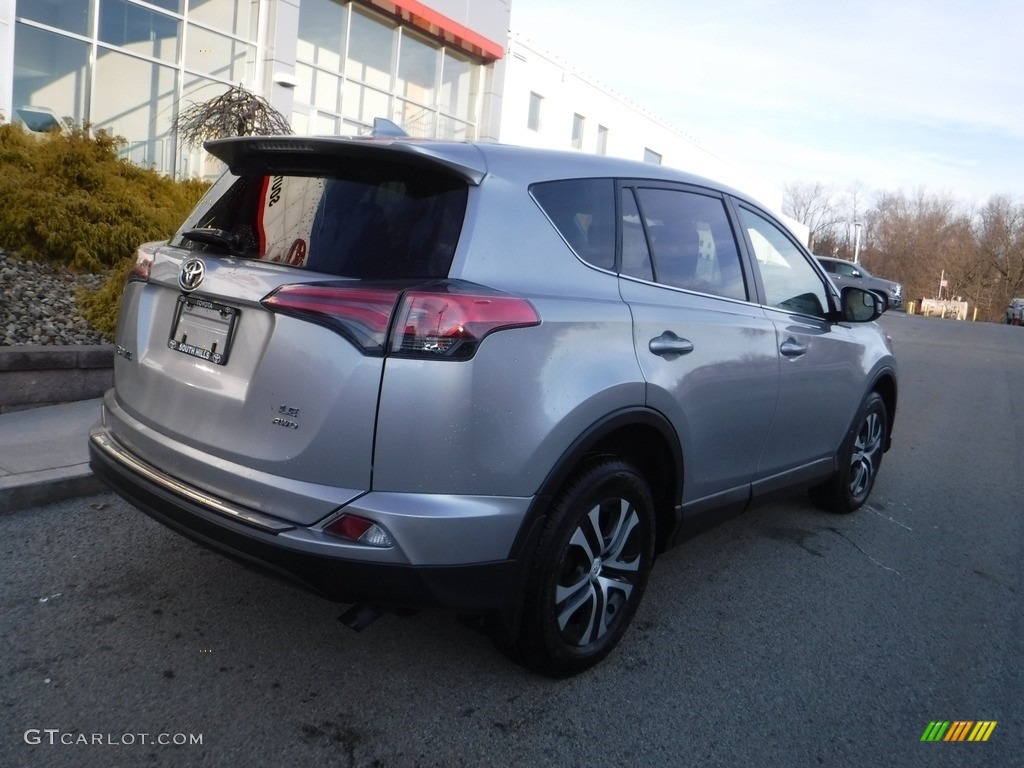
{"x": 893, "y": 95}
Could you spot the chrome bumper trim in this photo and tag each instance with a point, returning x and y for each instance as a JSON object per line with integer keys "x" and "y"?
{"x": 256, "y": 519}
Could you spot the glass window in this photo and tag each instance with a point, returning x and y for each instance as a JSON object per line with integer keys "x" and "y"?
{"x": 652, "y": 157}
{"x": 692, "y": 242}
{"x": 417, "y": 71}
{"x": 325, "y": 125}
{"x": 374, "y": 221}
{"x": 167, "y": 5}
{"x": 362, "y": 104}
{"x": 370, "y": 52}
{"x": 328, "y": 91}
{"x": 583, "y": 212}
{"x": 194, "y": 161}
{"x": 533, "y": 118}
{"x": 140, "y": 109}
{"x": 239, "y": 17}
{"x": 51, "y": 75}
{"x": 300, "y": 122}
{"x": 458, "y": 81}
{"x": 72, "y": 15}
{"x": 456, "y": 130}
{"x": 577, "y": 131}
{"x": 602, "y": 140}
{"x": 218, "y": 55}
{"x": 322, "y": 25}
{"x": 790, "y": 282}
{"x": 139, "y": 30}
{"x": 416, "y": 120}
{"x": 304, "y": 90}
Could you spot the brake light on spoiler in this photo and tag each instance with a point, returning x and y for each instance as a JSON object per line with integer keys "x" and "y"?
{"x": 438, "y": 320}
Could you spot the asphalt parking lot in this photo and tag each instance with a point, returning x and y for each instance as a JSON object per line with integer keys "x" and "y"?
{"x": 783, "y": 637}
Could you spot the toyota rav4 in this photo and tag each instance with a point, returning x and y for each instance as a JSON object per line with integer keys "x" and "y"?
{"x": 490, "y": 379}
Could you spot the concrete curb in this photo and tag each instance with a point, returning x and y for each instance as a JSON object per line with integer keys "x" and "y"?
{"x": 36, "y": 376}
{"x": 48, "y": 486}
{"x": 44, "y": 455}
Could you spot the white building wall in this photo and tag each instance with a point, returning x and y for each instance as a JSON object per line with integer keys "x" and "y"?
{"x": 631, "y": 128}
{"x": 6, "y": 58}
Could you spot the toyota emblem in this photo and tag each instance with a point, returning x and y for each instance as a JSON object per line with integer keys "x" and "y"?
{"x": 192, "y": 273}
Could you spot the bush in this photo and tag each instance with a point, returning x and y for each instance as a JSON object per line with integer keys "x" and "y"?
{"x": 69, "y": 199}
{"x": 101, "y": 307}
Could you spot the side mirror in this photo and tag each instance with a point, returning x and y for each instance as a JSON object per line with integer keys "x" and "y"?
{"x": 860, "y": 306}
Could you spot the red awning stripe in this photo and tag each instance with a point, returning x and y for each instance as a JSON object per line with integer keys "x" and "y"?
{"x": 440, "y": 26}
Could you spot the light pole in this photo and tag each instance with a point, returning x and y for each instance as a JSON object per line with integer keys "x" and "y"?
{"x": 856, "y": 242}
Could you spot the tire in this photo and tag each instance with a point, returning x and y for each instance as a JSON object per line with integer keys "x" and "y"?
{"x": 589, "y": 572}
{"x": 860, "y": 459}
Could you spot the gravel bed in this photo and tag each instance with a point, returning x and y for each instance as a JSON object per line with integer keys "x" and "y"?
{"x": 38, "y": 306}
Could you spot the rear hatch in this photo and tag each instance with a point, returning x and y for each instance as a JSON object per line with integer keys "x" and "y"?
{"x": 251, "y": 345}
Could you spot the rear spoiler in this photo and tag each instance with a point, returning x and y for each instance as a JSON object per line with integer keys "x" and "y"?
{"x": 307, "y": 154}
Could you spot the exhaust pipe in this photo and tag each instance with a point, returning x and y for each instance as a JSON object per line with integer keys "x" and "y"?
{"x": 359, "y": 616}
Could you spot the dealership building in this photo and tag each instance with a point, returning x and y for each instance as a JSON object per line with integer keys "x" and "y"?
{"x": 439, "y": 69}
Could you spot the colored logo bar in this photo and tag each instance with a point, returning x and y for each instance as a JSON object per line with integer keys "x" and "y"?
{"x": 959, "y": 730}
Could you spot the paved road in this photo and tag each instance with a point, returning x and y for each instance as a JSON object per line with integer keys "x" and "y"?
{"x": 784, "y": 637}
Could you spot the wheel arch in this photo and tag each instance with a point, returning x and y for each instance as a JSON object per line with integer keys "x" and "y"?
{"x": 641, "y": 436}
{"x": 885, "y": 385}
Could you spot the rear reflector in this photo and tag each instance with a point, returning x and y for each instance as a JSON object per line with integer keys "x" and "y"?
{"x": 440, "y": 320}
{"x": 360, "y": 530}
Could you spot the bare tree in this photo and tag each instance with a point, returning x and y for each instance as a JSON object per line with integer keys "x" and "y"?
{"x": 917, "y": 239}
{"x": 1000, "y": 235}
{"x": 812, "y": 205}
{"x": 237, "y": 112}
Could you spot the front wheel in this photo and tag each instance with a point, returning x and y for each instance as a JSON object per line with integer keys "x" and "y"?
{"x": 859, "y": 460}
{"x": 590, "y": 570}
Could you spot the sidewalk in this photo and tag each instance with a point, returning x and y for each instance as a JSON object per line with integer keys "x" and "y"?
{"x": 44, "y": 456}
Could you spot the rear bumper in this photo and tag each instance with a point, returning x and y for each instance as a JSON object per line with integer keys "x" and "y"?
{"x": 301, "y": 555}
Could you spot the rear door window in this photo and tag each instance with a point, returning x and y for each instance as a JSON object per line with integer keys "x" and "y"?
{"x": 370, "y": 222}
{"x": 691, "y": 241}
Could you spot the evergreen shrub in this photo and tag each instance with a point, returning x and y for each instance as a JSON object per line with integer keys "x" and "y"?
{"x": 70, "y": 199}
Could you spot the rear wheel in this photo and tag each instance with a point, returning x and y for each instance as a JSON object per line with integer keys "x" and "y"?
{"x": 860, "y": 460}
{"x": 590, "y": 570}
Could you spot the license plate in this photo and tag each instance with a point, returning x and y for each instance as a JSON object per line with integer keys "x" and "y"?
{"x": 203, "y": 329}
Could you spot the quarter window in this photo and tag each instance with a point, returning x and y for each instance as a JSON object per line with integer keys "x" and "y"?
{"x": 583, "y": 212}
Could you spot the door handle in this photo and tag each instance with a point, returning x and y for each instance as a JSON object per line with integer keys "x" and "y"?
{"x": 792, "y": 348}
{"x": 670, "y": 346}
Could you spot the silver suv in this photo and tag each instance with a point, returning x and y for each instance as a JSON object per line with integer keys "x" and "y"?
{"x": 848, "y": 273}
{"x": 490, "y": 379}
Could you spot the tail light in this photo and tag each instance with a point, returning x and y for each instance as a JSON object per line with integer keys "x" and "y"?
{"x": 361, "y": 314}
{"x": 442, "y": 320}
{"x": 143, "y": 264}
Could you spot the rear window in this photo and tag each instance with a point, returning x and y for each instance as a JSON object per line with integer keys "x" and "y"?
{"x": 370, "y": 222}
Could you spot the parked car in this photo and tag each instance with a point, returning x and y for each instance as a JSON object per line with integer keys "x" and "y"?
{"x": 1015, "y": 312}
{"x": 490, "y": 379}
{"x": 847, "y": 273}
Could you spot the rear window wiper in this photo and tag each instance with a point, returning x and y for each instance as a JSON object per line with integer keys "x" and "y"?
{"x": 212, "y": 236}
